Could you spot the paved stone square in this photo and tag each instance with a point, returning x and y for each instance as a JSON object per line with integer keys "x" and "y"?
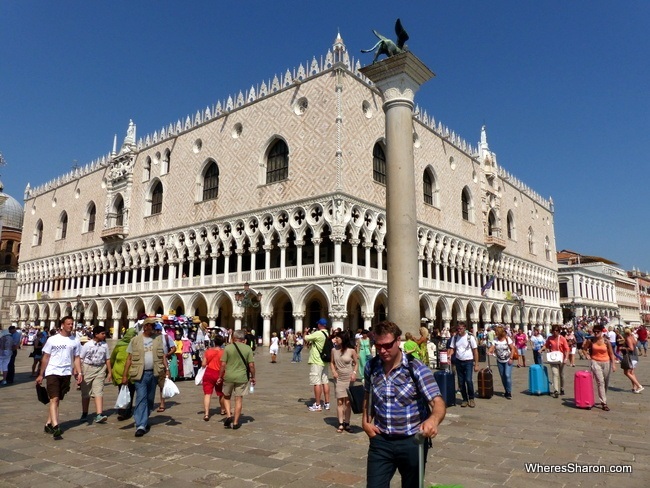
{"x": 281, "y": 443}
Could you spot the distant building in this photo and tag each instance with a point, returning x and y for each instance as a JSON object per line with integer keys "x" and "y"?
{"x": 11, "y": 224}
{"x": 283, "y": 186}
{"x": 643, "y": 293}
{"x": 594, "y": 286}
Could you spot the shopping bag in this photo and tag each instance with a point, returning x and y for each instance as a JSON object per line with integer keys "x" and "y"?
{"x": 554, "y": 357}
{"x": 41, "y": 393}
{"x": 169, "y": 389}
{"x": 199, "y": 377}
{"x": 123, "y": 397}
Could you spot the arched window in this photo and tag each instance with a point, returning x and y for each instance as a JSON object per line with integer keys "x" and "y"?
{"x": 277, "y": 163}
{"x": 92, "y": 214}
{"x": 9, "y": 247}
{"x": 146, "y": 169}
{"x": 379, "y": 164}
{"x": 118, "y": 211}
{"x": 38, "y": 233}
{"x": 211, "y": 182}
{"x": 166, "y": 162}
{"x": 157, "y": 199}
{"x": 63, "y": 225}
{"x": 511, "y": 225}
{"x": 466, "y": 204}
{"x": 492, "y": 224}
{"x": 531, "y": 241}
{"x": 547, "y": 248}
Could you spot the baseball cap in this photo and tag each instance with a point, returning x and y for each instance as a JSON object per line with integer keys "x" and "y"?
{"x": 322, "y": 322}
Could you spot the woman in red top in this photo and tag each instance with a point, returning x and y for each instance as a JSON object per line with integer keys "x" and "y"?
{"x": 212, "y": 365}
{"x": 557, "y": 343}
{"x": 599, "y": 352}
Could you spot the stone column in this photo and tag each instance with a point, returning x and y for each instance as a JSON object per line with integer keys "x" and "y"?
{"x": 226, "y": 270}
{"x": 299, "y": 245}
{"x": 240, "y": 259}
{"x": 297, "y": 320}
{"x": 367, "y": 246}
{"x": 266, "y": 329}
{"x": 283, "y": 260}
{"x": 338, "y": 240}
{"x": 237, "y": 317}
{"x": 367, "y": 320}
{"x": 267, "y": 261}
{"x": 316, "y": 243}
{"x": 337, "y": 319}
{"x": 355, "y": 256}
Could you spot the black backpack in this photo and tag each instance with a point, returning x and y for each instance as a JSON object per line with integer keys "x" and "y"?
{"x": 326, "y": 353}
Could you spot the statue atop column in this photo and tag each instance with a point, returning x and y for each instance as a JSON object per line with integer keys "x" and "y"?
{"x": 388, "y": 47}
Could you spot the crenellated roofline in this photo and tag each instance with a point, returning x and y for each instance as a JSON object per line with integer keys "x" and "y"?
{"x": 336, "y": 57}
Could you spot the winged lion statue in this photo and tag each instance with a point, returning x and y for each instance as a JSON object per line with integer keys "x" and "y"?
{"x": 388, "y": 47}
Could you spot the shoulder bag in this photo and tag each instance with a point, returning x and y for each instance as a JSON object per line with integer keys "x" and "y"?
{"x": 248, "y": 369}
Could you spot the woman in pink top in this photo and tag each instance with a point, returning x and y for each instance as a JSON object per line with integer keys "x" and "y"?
{"x": 520, "y": 344}
{"x": 601, "y": 355}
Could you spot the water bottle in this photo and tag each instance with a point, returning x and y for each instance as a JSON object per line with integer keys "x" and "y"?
{"x": 252, "y": 388}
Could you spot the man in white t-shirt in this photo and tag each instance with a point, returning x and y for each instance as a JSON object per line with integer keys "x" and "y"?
{"x": 464, "y": 353}
{"x": 60, "y": 359}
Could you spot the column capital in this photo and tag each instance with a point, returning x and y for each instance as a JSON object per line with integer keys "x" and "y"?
{"x": 266, "y": 316}
{"x": 398, "y": 77}
{"x": 368, "y": 315}
{"x": 354, "y": 242}
{"x": 298, "y": 316}
{"x": 268, "y": 248}
{"x": 237, "y": 316}
{"x": 316, "y": 241}
{"x": 239, "y": 251}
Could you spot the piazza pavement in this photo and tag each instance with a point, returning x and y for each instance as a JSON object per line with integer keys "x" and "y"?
{"x": 281, "y": 443}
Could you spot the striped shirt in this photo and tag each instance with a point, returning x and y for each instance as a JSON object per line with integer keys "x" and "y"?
{"x": 396, "y": 407}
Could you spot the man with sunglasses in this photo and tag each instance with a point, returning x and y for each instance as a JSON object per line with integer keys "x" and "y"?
{"x": 401, "y": 400}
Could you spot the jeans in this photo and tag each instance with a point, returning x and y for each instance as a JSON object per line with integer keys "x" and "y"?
{"x": 145, "y": 393}
{"x": 296, "y": 353}
{"x": 465, "y": 370}
{"x": 505, "y": 371}
{"x": 537, "y": 356}
{"x": 387, "y": 455}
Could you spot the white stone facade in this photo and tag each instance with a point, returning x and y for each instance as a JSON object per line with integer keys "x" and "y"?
{"x": 313, "y": 242}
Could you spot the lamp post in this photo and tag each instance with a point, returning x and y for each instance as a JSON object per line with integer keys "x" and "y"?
{"x": 78, "y": 308}
{"x": 519, "y": 300}
{"x": 247, "y": 299}
{"x": 573, "y": 313}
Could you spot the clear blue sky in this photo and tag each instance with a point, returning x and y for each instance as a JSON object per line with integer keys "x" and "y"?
{"x": 563, "y": 87}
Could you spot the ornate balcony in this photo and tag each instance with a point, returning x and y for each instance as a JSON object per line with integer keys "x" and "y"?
{"x": 495, "y": 243}
{"x": 114, "y": 233}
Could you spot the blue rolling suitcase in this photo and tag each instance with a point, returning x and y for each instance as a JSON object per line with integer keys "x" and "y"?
{"x": 446, "y": 383}
{"x": 538, "y": 380}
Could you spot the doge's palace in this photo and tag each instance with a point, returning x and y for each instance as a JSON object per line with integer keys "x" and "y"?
{"x": 282, "y": 186}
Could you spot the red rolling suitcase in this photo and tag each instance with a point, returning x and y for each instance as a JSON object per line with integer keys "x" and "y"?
{"x": 583, "y": 389}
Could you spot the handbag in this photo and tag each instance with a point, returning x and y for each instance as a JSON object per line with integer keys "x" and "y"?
{"x": 625, "y": 361}
{"x": 554, "y": 357}
{"x": 169, "y": 389}
{"x": 515, "y": 355}
{"x": 41, "y": 393}
{"x": 355, "y": 394}
{"x": 199, "y": 377}
{"x": 123, "y": 398}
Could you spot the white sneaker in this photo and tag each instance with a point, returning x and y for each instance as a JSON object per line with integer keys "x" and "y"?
{"x": 327, "y": 405}
{"x": 639, "y": 390}
{"x": 316, "y": 407}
